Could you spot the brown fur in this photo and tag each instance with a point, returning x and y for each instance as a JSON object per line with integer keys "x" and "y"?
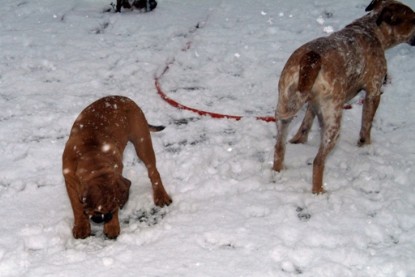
{"x": 92, "y": 162}
{"x": 329, "y": 71}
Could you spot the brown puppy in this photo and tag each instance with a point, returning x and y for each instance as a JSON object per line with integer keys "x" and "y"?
{"x": 92, "y": 163}
{"x": 329, "y": 71}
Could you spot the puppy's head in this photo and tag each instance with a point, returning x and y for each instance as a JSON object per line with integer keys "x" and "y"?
{"x": 103, "y": 196}
{"x": 396, "y": 20}
{"x": 148, "y": 5}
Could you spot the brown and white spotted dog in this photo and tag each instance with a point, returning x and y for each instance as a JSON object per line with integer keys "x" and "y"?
{"x": 92, "y": 163}
{"x": 329, "y": 71}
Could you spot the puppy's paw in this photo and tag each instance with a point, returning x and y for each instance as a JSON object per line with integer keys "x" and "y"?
{"x": 81, "y": 230}
{"x": 112, "y": 230}
{"x": 162, "y": 199}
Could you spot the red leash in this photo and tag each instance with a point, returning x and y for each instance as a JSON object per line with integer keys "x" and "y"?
{"x": 177, "y": 105}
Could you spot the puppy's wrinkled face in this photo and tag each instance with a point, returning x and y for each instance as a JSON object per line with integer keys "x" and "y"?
{"x": 100, "y": 202}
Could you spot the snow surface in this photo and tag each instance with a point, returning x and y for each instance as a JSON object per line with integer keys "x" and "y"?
{"x": 231, "y": 215}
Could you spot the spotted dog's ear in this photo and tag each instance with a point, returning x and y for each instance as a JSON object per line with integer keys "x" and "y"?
{"x": 392, "y": 15}
{"x": 373, "y": 5}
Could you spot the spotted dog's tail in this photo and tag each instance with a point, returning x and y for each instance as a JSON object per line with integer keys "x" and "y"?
{"x": 310, "y": 65}
{"x": 153, "y": 128}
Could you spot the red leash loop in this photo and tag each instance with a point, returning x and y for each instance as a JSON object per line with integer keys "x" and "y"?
{"x": 177, "y": 105}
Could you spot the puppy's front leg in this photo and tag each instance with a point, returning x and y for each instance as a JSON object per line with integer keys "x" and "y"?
{"x": 112, "y": 228}
{"x": 144, "y": 150}
{"x": 81, "y": 227}
{"x": 160, "y": 196}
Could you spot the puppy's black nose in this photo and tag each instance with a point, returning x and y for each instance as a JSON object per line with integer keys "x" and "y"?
{"x": 100, "y": 218}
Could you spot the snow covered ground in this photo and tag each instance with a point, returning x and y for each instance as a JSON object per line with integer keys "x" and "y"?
{"x": 231, "y": 215}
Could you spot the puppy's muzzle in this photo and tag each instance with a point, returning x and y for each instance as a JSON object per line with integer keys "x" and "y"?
{"x": 100, "y": 218}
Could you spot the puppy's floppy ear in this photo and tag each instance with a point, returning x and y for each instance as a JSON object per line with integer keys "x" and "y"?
{"x": 122, "y": 191}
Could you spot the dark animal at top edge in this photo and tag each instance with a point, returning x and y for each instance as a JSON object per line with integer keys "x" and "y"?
{"x": 147, "y": 5}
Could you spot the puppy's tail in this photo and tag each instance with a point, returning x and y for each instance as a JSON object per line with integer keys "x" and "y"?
{"x": 310, "y": 65}
{"x": 153, "y": 128}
